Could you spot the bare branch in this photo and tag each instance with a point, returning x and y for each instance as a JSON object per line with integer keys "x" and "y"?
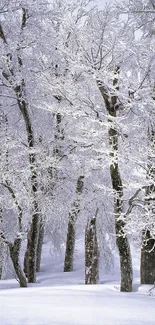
{"x": 4, "y": 238}
{"x": 132, "y": 198}
{"x": 20, "y": 213}
{"x": 24, "y": 18}
{"x": 2, "y": 35}
{"x": 138, "y": 12}
{"x": 153, "y": 5}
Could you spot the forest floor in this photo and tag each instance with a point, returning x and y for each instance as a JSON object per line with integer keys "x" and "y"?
{"x": 60, "y": 298}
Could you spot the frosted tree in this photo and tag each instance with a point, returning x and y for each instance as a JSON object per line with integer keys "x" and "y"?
{"x": 106, "y": 57}
{"x": 14, "y": 80}
{"x": 81, "y": 73}
{"x": 141, "y": 17}
{"x": 121, "y": 237}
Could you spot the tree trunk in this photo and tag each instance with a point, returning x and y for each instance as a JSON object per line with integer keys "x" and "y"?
{"x": 30, "y": 260}
{"x": 1, "y": 249}
{"x": 14, "y": 254}
{"x": 32, "y": 242}
{"x": 70, "y": 242}
{"x": 125, "y": 259}
{"x": 26, "y": 256}
{"x": 40, "y": 244}
{"x": 112, "y": 105}
{"x": 91, "y": 252}
{"x": 121, "y": 237}
{"x": 147, "y": 267}
{"x": 1, "y": 258}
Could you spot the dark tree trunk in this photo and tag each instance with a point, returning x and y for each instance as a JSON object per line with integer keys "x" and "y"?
{"x": 1, "y": 258}
{"x": 121, "y": 237}
{"x": 40, "y": 244}
{"x": 147, "y": 267}
{"x": 91, "y": 253}
{"x": 112, "y": 105}
{"x": 125, "y": 259}
{"x": 32, "y": 242}
{"x": 57, "y": 150}
{"x": 26, "y": 257}
{"x": 1, "y": 249}
{"x": 70, "y": 242}
{"x": 30, "y": 260}
{"x": 14, "y": 254}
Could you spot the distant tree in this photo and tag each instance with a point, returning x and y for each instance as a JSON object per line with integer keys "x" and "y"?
{"x": 73, "y": 214}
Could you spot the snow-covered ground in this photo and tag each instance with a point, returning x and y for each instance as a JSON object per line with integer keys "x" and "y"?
{"x": 62, "y": 298}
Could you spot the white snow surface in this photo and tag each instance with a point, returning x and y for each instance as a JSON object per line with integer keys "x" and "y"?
{"x": 60, "y": 298}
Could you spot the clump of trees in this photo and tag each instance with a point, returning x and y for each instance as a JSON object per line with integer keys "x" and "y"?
{"x": 77, "y": 133}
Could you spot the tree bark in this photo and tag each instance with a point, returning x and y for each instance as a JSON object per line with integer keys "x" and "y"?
{"x": 1, "y": 250}
{"x": 91, "y": 252}
{"x": 1, "y": 258}
{"x": 14, "y": 254}
{"x": 112, "y": 106}
{"x": 147, "y": 267}
{"x": 70, "y": 242}
{"x": 39, "y": 246}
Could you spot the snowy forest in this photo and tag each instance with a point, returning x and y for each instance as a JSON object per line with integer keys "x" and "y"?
{"x": 77, "y": 135}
